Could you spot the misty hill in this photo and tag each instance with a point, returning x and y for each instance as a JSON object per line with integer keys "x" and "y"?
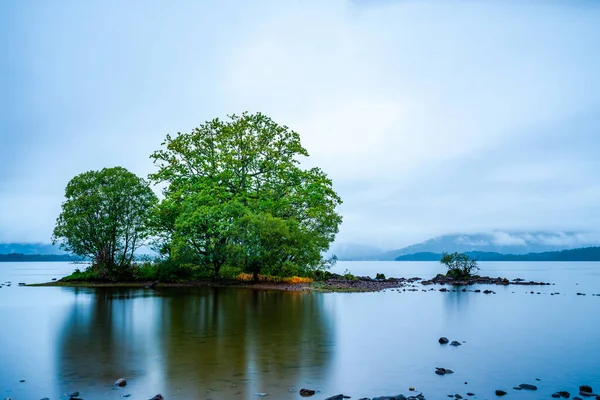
{"x": 498, "y": 242}
{"x": 354, "y": 252}
{"x": 30, "y": 248}
{"x": 582, "y": 254}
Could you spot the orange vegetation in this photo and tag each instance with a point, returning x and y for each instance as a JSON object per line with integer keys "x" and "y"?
{"x": 274, "y": 279}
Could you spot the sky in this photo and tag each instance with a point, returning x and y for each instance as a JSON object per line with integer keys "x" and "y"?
{"x": 431, "y": 117}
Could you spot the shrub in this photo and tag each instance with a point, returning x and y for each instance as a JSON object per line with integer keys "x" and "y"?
{"x": 460, "y": 265}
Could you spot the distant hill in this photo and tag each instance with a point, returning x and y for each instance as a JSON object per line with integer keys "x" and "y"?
{"x": 30, "y": 248}
{"x": 18, "y": 257}
{"x": 581, "y": 254}
{"x": 498, "y": 242}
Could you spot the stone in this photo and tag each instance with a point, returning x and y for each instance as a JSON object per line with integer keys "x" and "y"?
{"x": 517, "y": 388}
{"x": 458, "y": 396}
{"x": 73, "y": 394}
{"x": 443, "y": 371}
{"x": 338, "y": 397}
{"x": 470, "y": 394}
{"x": 22, "y": 380}
{"x": 260, "y": 394}
{"x": 500, "y": 393}
{"x": 158, "y": 397}
{"x": 585, "y": 388}
{"x": 455, "y": 343}
{"x": 45, "y": 398}
{"x": 120, "y": 382}
{"x": 555, "y": 395}
{"x": 152, "y": 285}
{"x": 443, "y": 340}
{"x": 564, "y": 394}
{"x": 527, "y": 386}
{"x": 307, "y": 392}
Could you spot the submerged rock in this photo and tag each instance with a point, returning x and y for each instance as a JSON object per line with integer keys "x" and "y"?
{"x": 152, "y": 285}
{"x": 562, "y": 394}
{"x": 120, "y": 382}
{"x": 443, "y": 340}
{"x": 455, "y": 343}
{"x": 527, "y": 386}
{"x": 585, "y": 389}
{"x": 158, "y": 397}
{"x": 72, "y": 394}
{"x": 338, "y": 397}
{"x": 443, "y": 371}
{"x": 500, "y": 393}
{"x": 307, "y": 392}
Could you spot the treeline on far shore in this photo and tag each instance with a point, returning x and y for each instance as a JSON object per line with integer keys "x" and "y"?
{"x": 581, "y": 254}
{"x": 19, "y": 257}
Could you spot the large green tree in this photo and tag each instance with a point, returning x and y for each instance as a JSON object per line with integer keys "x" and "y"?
{"x": 105, "y": 218}
{"x": 236, "y": 195}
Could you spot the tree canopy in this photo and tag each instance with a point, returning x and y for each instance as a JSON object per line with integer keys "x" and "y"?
{"x": 460, "y": 265}
{"x": 105, "y": 218}
{"x": 236, "y": 195}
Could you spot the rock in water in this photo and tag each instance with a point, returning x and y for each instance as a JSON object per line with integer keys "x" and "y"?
{"x": 306, "y": 392}
{"x": 158, "y": 397}
{"x": 443, "y": 340}
{"x": 121, "y": 382}
{"x": 562, "y": 394}
{"x": 338, "y": 397}
{"x": 72, "y": 394}
{"x": 585, "y": 389}
{"x": 527, "y": 386}
{"x": 500, "y": 393}
{"x": 455, "y": 343}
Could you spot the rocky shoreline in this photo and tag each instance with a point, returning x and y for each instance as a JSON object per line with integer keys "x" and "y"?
{"x": 480, "y": 280}
{"x": 336, "y": 283}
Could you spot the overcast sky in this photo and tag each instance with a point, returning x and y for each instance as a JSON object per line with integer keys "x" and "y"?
{"x": 431, "y": 116}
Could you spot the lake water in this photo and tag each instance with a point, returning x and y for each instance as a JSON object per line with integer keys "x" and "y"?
{"x": 202, "y": 343}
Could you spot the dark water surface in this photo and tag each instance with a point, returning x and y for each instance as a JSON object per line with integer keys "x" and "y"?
{"x": 203, "y": 343}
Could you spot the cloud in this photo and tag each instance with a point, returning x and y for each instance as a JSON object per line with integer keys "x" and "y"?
{"x": 431, "y": 117}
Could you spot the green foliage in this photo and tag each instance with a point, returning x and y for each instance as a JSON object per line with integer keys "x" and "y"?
{"x": 87, "y": 275}
{"x": 104, "y": 218}
{"x": 460, "y": 266}
{"x": 349, "y": 276}
{"x": 380, "y": 276}
{"x": 237, "y": 197}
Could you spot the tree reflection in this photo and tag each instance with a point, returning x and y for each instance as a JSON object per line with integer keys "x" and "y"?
{"x": 197, "y": 342}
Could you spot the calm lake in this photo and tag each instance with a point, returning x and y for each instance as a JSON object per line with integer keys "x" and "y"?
{"x": 202, "y": 343}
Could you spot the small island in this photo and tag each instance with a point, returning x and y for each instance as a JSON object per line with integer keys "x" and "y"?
{"x": 237, "y": 209}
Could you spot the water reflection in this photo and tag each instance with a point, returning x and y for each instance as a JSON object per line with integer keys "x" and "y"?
{"x": 195, "y": 343}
